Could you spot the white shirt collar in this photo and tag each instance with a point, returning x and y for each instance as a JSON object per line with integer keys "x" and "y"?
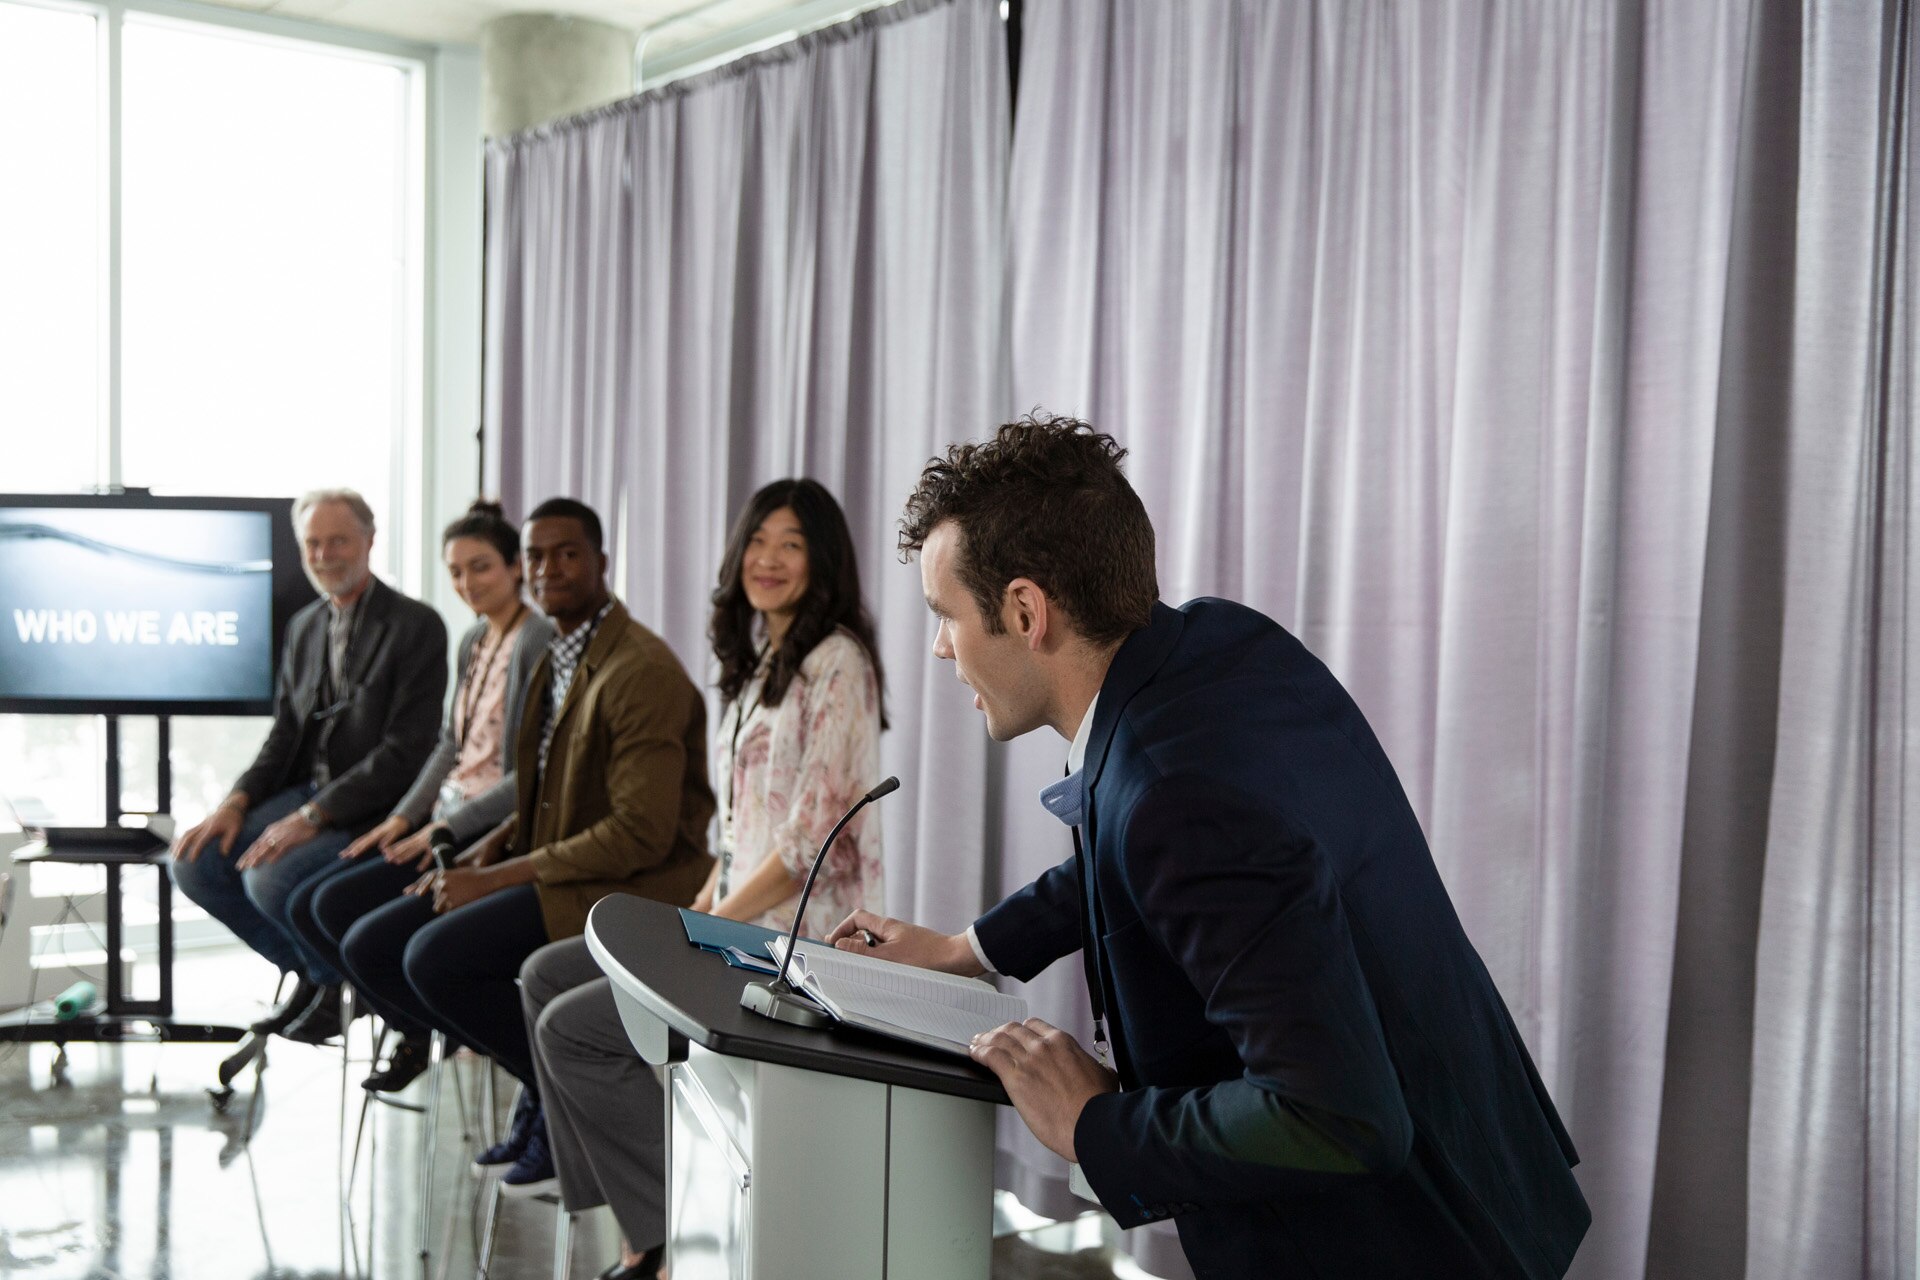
{"x": 1077, "y": 752}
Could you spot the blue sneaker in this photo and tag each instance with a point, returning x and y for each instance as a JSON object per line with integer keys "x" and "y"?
{"x": 503, "y": 1155}
{"x": 533, "y": 1173}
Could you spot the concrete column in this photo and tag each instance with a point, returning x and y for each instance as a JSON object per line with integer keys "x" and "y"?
{"x": 538, "y": 67}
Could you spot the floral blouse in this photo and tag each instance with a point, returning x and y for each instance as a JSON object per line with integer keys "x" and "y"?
{"x": 795, "y": 769}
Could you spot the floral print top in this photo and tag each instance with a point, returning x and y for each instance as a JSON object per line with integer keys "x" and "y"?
{"x": 795, "y": 769}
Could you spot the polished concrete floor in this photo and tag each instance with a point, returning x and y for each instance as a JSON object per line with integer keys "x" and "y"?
{"x": 116, "y": 1163}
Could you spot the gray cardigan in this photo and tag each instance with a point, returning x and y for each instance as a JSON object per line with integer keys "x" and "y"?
{"x": 494, "y": 805}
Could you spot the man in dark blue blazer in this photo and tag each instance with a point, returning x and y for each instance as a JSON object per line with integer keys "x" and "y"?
{"x": 1311, "y": 1070}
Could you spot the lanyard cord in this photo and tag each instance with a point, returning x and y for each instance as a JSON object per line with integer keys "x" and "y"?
{"x": 1091, "y": 927}
{"x": 471, "y": 702}
{"x": 740, "y": 719}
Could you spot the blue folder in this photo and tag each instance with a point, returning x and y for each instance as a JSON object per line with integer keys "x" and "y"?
{"x": 712, "y": 933}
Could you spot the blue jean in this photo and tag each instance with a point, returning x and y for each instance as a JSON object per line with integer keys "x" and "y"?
{"x": 369, "y": 923}
{"x": 255, "y": 904}
{"x": 465, "y": 967}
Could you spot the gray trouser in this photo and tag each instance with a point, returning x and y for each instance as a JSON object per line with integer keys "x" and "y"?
{"x": 604, "y": 1105}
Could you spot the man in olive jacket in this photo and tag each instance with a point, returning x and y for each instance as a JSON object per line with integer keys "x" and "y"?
{"x": 612, "y": 773}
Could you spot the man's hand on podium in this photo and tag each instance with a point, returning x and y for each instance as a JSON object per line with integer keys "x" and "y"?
{"x": 1048, "y": 1076}
{"x": 905, "y": 943}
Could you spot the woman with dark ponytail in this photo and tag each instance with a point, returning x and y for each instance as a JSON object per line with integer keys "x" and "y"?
{"x": 465, "y": 789}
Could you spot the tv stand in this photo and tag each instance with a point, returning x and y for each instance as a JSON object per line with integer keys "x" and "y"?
{"x": 122, "y": 1017}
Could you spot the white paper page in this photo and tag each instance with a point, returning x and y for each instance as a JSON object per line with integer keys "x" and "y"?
{"x": 951, "y": 1008}
{"x": 928, "y": 1017}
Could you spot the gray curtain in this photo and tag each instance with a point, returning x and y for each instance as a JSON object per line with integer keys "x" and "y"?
{"x": 789, "y": 266}
{"x": 1545, "y": 367}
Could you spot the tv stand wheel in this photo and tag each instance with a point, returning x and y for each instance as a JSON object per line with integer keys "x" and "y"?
{"x": 59, "y": 1072}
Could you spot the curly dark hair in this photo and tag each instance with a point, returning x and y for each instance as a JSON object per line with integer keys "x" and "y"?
{"x": 487, "y": 521}
{"x": 832, "y": 600}
{"x": 1044, "y": 499}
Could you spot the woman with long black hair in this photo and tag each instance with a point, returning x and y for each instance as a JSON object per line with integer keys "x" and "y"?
{"x": 799, "y": 734}
{"x": 797, "y": 742}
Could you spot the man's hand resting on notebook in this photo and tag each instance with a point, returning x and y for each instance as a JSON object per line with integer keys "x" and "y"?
{"x": 1048, "y": 1076}
{"x": 905, "y": 943}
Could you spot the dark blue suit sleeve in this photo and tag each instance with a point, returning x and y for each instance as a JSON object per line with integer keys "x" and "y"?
{"x": 1034, "y": 927}
{"x": 1249, "y": 912}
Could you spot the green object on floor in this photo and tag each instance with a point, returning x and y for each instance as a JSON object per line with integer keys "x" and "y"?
{"x": 78, "y": 999}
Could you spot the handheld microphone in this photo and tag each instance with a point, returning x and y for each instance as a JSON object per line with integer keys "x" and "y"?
{"x": 777, "y": 998}
{"x": 441, "y": 843}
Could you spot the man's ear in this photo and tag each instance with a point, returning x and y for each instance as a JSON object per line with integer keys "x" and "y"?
{"x": 1025, "y": 611}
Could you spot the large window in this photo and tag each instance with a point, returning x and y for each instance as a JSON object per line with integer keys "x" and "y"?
{"x": 52, "y": 250}
{"x": 235, "y": 308}
{"x": 267, "y": 270}
{"x": 211, "y": 282}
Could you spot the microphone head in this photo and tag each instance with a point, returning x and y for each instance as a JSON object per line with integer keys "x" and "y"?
{"x": 886, "y": 788}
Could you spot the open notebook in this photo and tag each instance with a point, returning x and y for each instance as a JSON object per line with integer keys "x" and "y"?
{"x": 936, "y": 1010}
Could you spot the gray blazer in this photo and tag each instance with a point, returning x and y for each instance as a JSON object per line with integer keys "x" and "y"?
{"x": 488, "y": 809}
{"x": 379, "y": 729}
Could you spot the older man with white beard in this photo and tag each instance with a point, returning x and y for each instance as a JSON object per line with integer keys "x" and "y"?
{"x": 356, "y": 712}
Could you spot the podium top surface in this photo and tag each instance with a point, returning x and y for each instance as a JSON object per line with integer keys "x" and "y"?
{"x": 698, "y": 995}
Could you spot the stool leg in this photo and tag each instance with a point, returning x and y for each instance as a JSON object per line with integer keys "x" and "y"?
{"x": 259, "y": 1088}
{"x": 366, "y": 1099}
{"x": 562, "y": 1242}
{"x": 492, "y": 1194}
{"x": 489, "y": 1107}
{"x": 436, "y": 1054}
{"x": 340, "y": 1152}
{"x": 459, "y": 1092}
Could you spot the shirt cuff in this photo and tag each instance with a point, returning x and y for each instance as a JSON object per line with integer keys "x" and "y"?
{"x": 979, "y": 953}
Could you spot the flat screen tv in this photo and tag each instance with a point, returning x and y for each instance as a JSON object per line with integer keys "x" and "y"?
{"x": 129, "y": 604}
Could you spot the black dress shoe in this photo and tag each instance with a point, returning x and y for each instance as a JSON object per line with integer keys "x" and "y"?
{"x": 646, "y": 1269}
{"x": 404, "y": 1065}
{"x": 296, "y": 1004}
{"x": 321, "y": 1022}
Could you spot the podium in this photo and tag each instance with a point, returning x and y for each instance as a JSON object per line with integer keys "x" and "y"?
{"x": 796, "y": 1151}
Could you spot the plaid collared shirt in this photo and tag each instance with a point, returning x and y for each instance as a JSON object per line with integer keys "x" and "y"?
{"x": 564, "y": 652}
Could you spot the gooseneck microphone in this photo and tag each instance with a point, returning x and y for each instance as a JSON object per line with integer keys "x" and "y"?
{"x": 777, "y": 999}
